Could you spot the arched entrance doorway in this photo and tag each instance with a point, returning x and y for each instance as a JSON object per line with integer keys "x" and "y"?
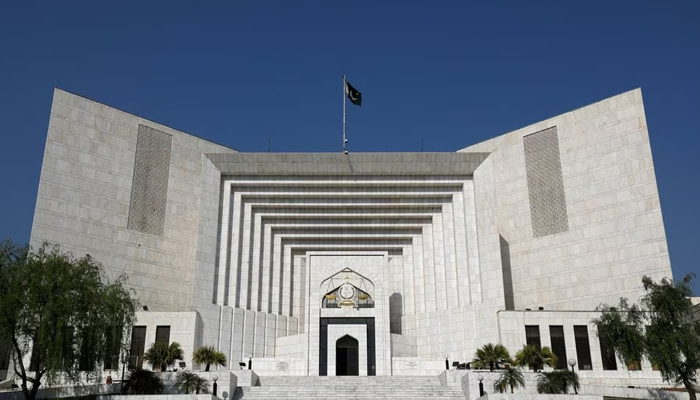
{"x": 347, "y": 357}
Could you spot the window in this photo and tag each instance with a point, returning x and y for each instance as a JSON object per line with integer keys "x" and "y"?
{"x": 34, "y": 363}
{"x": 5, "y": 347}
{"x": 558, "y": 345}
{"x": 634, "y": 366}
{"x": 86, "y": 362}
{"x": 583, "y": 348}
{"x": 163, "y": 334}
{"x": 138, "y": 346}
{"x": 63, "y": 334}
{"x": 532, "y": 336}
{"x": 654, "y": 367}
{"x": 112, "y": 347}
{"x": 607, "y": 354}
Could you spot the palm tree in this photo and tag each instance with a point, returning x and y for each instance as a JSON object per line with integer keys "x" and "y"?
{"x": 201, "y": 385}
{"x": 535, "y": 358}
{"x": 190, "y": 382}
{"x": 142, "y": 381}
{"x": 491, "y": 355}
{"x": 208, "y": 355}
{"x": 163, "y": 355}
{"x": 557, "y": 382}
{"x": 509, "y": 377}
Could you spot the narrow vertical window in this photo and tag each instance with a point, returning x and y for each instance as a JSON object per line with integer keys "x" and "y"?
{"x": 654, "y": 367}
{"x": 86, "y": 362}
{"x": 607, "y": 354}
{"x": 138, "y": 346}
{"x": 532, "y": 336}
{"x": 112, "y": 347}
{"x": 556, "y": 333}
{"x": 5, "y": 349}
{"x": 583, "y": 347}
{"x": 34, "y": 363}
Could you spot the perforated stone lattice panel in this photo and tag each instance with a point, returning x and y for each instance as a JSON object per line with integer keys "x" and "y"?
{"x": 545, "y": 183}
{"x": 149, "y": 189}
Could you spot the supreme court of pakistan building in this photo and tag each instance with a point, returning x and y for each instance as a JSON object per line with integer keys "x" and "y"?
{"x": 363, "y": 263}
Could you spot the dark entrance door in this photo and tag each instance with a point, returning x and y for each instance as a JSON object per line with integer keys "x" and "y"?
{"x": 324, "y": 344}
{"x": 347, "y": 357}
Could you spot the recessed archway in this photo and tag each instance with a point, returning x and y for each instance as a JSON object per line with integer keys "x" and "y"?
{"x": 347, "y": 356}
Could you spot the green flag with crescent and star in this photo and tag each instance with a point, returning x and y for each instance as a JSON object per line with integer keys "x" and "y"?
{"x": 353, "y": 94}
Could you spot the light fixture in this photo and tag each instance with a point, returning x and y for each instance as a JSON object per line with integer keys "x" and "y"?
{"x": 481, "y": 385}
{"x": 145, "y": 308}
{"x": 572, "y": 363}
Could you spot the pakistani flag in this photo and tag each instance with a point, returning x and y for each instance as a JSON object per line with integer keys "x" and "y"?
{"x": 353, "y": 94}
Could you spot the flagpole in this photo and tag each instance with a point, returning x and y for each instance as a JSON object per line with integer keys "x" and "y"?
{"x": 344, "y": 101}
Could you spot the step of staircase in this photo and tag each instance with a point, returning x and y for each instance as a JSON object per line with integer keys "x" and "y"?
{"x": 350, "y": 387}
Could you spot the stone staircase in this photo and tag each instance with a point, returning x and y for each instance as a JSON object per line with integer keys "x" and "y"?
{"x": 350, "y": 387}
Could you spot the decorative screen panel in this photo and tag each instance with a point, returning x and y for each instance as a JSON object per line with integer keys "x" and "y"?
{"x": 149, "y": 190}
{"x": 545, "y": 183}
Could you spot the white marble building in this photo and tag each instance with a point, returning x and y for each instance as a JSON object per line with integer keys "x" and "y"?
{"x": 371, "y": 263}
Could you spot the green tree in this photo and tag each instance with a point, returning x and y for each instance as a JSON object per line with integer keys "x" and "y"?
{"x": 59, "y": 308}
{"x": 660, "y": 328}
{"x": 208, "y": 355}
{"x": 557, "y": 382}
{"x": 163, "y": 355}
{"x": 190, "y": 382}
{"x": 535, "y": 358}
{"x": 509, "y": 377}
{"x": 142, "y": 381}
{"x": 491, "y": 355}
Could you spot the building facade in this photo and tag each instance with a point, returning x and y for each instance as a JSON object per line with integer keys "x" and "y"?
{"x": 365, "y": 263}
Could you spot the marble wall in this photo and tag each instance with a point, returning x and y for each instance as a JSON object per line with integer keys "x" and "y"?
{"x": 615, "y": 227}
{"x": 85, "y": 196}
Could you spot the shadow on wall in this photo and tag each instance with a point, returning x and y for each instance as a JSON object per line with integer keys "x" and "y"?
{"x": 507, "y": 275}
{"x": 395, "y": 312}
{"x": 621, "y": 392}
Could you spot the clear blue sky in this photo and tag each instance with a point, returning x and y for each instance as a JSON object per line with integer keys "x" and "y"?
{"x": 451, "y": 73}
